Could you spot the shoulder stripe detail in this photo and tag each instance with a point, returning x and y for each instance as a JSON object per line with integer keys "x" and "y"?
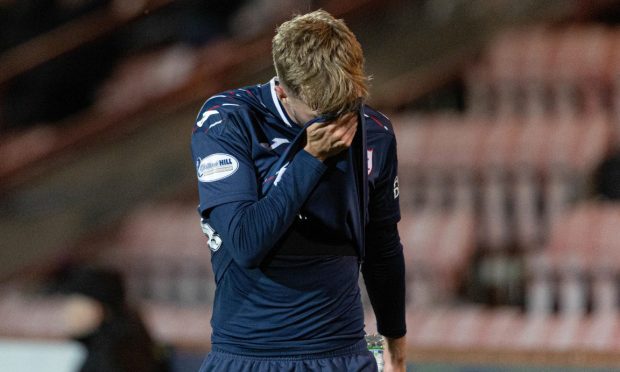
{"x": 214, "y": 124}
{"x": 206, "y": 116}
{"x": 218, "y": 96}
{"x": 378, "y": 122}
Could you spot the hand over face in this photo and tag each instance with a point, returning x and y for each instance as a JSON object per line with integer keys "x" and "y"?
{"x": 328, "y": 139}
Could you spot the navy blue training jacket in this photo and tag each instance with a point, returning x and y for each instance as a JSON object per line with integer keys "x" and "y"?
{"x": 288, "y": 233}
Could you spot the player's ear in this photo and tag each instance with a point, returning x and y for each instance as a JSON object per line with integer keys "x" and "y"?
{"x": 280, "y": 92}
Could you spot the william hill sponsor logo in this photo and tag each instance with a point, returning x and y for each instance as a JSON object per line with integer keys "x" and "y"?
{"x": 216, "y": 167}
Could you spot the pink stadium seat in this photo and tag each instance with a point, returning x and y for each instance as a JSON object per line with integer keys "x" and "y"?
{"x": 546, "y": 71}
{"x": 510, "y": 163}
{"x": 437, "y": 249}
{"x": 480, "y": 334}
{"x": 430, "y": 328}
{"x": 594, "y": 142}
{"x": 582, "y": 254}
{"x": 540, "y": 284}
{"x": 565, "y": 332}
{"x": 601, "y": 333}
{"x": 496, "y": 325}
{"x": 532, "y": 333}
{"x": 188, "y": 327}
{"x": 506, "y": 65}
{"x": 479, "y": 94}
{"x": 164, "y": 256}
{"x": 597, "y": 46}
{"x": 538, "y": 53}
{"x": 527, "y": 227}
{"x": 570, "y": 260}
{"x": 465, "y": 327}
{"x": 413, "y": 144}
{"x": 37, "y": 317}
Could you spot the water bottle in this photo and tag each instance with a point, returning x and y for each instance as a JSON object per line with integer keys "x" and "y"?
{"x": 375, "y": 345}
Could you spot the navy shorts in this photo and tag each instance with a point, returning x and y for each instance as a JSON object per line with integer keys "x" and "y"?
{"x": 355, "y": 358}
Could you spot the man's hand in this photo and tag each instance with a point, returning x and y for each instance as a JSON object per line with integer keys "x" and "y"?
{"x": 395, "y": 355}
{"x": 328, "y": 139}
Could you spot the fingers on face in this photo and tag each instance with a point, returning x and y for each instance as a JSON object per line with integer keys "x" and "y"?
{"x": 317, "y": 127}
{"x": 340, "y": 131}
{"x": 351, "y": 130}
{"x": 338, "y": 134}
{"x": 348, "y": 139}
{"x": 317, "y": 130}
{"x": 339, "y": 145}
{"x": 351, "y": 119}
{"x": 343, "y": 130}
{"x": 346, "y": 122}
{"x": 349, "y": 116}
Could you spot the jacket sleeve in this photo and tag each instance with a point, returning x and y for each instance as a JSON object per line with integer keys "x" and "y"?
{"x": 384, "y": 265}
{"x": 384, "y": 277}
{"x": 249, "y": 229}
{"x": 248, "y": 225}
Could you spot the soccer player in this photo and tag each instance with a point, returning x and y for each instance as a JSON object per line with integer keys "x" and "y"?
{"x": 298, "y": 194}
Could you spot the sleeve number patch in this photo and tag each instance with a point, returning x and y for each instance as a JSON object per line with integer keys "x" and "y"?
{"x": 215, "y": 242}
{"x": 396, "y": 188}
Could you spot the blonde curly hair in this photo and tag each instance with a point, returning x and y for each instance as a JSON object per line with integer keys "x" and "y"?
{"x": 320, "y": 60}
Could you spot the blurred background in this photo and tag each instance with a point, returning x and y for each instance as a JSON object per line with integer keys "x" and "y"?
{"x": 507, "y": 114}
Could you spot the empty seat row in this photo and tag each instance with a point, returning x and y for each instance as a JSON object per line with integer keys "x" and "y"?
{"x": 578, "y": 271}
{"x": 166, "y": 260}
{"x": 163, "y": 254}
{"x": 438, "y": 247}
{"x": 541, "y": 70}
{"x": 504, "y": 329}
{"x": 24, "y": 315}
{"x": 516, "y": 175}
{"x": 453, "y": 143}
